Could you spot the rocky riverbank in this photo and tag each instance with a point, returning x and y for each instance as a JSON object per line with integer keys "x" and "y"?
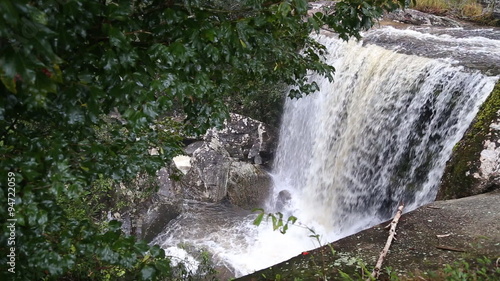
{"x": 438, "y": 234}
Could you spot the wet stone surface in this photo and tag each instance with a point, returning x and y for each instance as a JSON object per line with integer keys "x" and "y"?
{"x": 470, "y": 46}
{"x": 427, "y": 238}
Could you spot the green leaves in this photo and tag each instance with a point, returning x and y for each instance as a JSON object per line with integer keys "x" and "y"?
{"x": 114, "y": 225}
{"x": 277, "y": 220}
{"x": 90, "y": 87}
{"x": 258, "y": 220}
{"x": 284, "y": 8}
{"x": 119, "y": 10}
{"x": 148, "y": 272}
{"x": 180, "y": 52}
{"x": 210, "y": 35}
{"x": 9, "y": 83}
{"x": 116, "y": 37}
{"x": 300, "y": 6}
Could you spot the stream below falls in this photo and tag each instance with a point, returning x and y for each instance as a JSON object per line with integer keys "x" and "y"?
{"x": 380, "y": 134}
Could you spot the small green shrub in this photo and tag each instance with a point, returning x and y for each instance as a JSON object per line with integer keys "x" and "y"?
{"x": 431, "y": 6}
{"x": 471, "y": 9}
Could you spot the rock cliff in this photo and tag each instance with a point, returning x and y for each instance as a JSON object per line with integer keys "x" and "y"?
{"x": 474, "y": 167}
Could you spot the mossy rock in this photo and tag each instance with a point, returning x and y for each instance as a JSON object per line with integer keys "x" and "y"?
{"x": 458, "y": 179}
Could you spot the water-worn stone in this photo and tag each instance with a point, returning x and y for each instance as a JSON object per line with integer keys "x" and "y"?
{"x": 157, "y": 217}
{"x": 283, "y": 200}
{"x": 474, "y": 166}
{"x": 491, "y": 6}
{"x": 168, "y": 188}
{"x": 207, "y": 179}
{"x": 224, "y": 165}
{"x": 488, "y": 173}
{"x": 192, "y": 147}
{"x": 245, "y": 139}
{"x": 415, "y": 17}
{"x": 248, "y": 186}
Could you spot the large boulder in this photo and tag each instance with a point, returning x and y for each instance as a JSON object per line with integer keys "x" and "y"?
{"x": 249, "y": 186}
{"x": 245, "y": 139}
{"x": 157, "y": 216}
{"x": 215, "y": 175}
{"x": 224, "y": 165}
{"x": 207, "y": 178}
{"x": 168, "y": 185}
{"x": 474, "y": 166}
{"x": 489, "y": 164}
{"x": 228, "y": 164}
{"x": 143, "y": 211}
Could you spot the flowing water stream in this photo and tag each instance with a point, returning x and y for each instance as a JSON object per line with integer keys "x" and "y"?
{"x": 380, "y": 134}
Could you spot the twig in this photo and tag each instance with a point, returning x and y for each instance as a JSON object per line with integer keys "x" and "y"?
{"x": 392, "y": 232}
{"x": 449, "y": 249}
{"x": 137, "y": 31}
{"x": 8, "y": 129}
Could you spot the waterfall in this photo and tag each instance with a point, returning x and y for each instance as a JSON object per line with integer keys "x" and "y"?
{"x": 380, "y": 134}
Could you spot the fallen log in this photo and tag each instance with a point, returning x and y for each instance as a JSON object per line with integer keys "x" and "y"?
{"x": 392, "y": 233}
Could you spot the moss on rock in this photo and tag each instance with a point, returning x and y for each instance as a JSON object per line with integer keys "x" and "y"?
{"x": 458, "y": 179}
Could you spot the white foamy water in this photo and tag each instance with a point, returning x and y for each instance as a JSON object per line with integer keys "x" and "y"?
{"x": 474, "y": 48}
{"x": 379, "y": 135}
{"x": 231, "y": 238}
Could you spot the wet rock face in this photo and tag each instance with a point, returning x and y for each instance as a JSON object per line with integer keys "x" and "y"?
{"x": 167, "y": 187}
{"x": 145, "y": 216}
{"x": 227, "y": 164}
{"x": 474, "y": 166}
{"x": 488, "y": 173}
{"x": 206, "y": 180}
{"x": 245, "y": 139}
{"x": 491, "y": 6}
{"x": 157, "y": 216}
{"x": 248, "y": 186}
{"x": 283, "y": 200}
{"x": 415, "y": 17}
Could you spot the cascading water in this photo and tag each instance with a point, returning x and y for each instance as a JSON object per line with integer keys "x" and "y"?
{"x": 378, "y": 135}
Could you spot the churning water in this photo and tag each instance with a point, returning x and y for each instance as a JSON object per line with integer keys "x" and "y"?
{"x": 380, "y": 134}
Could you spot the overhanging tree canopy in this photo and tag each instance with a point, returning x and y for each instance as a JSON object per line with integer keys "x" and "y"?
{"x": 89, "y": 87}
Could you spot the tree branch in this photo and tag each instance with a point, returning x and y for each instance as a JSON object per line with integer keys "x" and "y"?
{"x": 392, "y": 233}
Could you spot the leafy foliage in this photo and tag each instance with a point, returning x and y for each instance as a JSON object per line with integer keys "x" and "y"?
{"x": 89, "y": 88}
{"x": 277, "y": 220}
